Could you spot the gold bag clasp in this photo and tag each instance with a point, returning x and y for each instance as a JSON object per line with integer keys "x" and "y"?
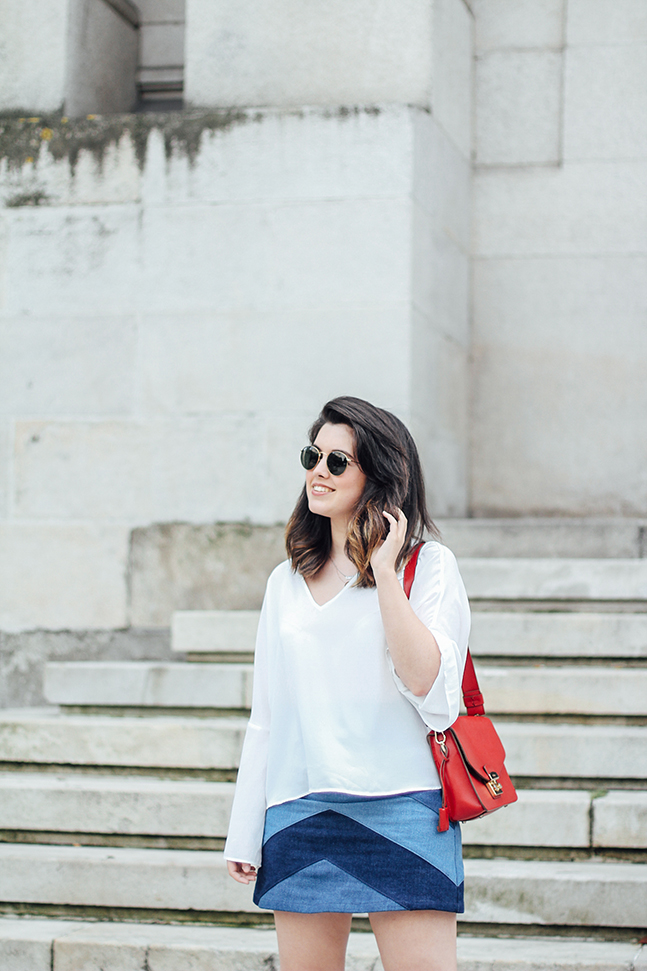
{"x": 494, "y": 786}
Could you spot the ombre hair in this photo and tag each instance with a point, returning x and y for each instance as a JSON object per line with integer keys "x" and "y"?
{"x": 387, "y": 455}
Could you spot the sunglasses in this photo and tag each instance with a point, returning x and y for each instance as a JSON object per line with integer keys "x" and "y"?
{"x": 337, "y": 462}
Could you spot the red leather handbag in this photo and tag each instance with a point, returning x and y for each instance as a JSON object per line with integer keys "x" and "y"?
{"x": 469, "y": 755}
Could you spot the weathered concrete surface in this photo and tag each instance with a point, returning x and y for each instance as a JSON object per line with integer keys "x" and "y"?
{"x": 118, "y": 877}
{"x": 33, "y": 65}
{"x": 562, "y": 579}
{"x": 604, "y": 95}
{"x": 45, "y": 580}
{"x": 114, "y": 804}
{"x": 23, "y": 656}
{"x": 575, "y": 751}
{"x": 540, "y": 817}
{"x": 149, "y": 684}
{"x": 214, "y": 631}
{"x": 600, "y": 23}
{"x": 516, "y": 634}
{"x": 620, "y": 819}
{"x": 26, "y": 945}
{"x": 117, "y": 190}
{"x": 518, "y": 24}
{"x": 284, "y": 53}
{"x": 102, "y": 54}
{"x": 559, "y": 275}
{"x": 179, "y": 567}
{"x": 537, "y": 892}
{"x": 533, "y": 749}
{"x": 120, "y": 947}
{"x": 44, "y": 735}
{"x": 543, "y": 302}
{"x": 106, "y": 804}
{"x": 564, "y": 690}
{"x": 618, "y": 538}
{"x": 75, "y": 55}
{"x": 79, "y": 946}
{"x": 586, "y": 635}
{"x": 499, "y": 891}
{"x": 518, "y": 107}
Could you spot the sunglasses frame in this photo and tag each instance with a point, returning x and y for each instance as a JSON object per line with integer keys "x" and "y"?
{"x": 326, "y": 455}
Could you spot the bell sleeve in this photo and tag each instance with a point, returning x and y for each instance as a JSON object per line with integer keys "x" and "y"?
{"x": 439, "y": 599}
{"x": 245, "y": 836}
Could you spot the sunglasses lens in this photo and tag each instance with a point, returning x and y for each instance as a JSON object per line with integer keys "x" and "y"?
{"x": 309, "y": 457}
{"x": 337, "y": 463}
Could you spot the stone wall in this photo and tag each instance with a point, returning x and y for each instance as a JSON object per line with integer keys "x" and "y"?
{"x": 559, "y": 420}
{"x": 180, "y": 295}
{"x": 180, "y": 292}
{"x": 73, "y": 56}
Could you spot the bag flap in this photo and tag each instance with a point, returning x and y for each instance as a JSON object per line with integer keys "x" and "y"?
{"x": 479, "y": 742}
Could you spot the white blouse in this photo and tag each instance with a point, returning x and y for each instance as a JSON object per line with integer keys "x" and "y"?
{"x": 329, "y": 712}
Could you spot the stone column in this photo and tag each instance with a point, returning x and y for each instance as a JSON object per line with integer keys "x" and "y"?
{"x": 412, "y": 57}
{"x": 74, "y": 56}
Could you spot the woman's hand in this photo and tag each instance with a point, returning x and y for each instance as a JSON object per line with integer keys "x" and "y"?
{"x": 241, "y": 872}
{"x": 384, "y": 556}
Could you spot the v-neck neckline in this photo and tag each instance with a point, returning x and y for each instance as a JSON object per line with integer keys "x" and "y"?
{"x": 332, "y": 599}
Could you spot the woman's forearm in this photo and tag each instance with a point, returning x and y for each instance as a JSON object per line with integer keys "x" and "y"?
{"x": 413, "y": 648}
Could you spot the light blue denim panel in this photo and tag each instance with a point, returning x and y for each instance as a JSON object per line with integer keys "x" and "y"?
{"x": 288, "y": 813}
{"x": 410, "y": 820}
{"x": 332, "y": 885}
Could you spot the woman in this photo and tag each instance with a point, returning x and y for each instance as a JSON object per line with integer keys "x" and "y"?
{"x": 337, "y": 792}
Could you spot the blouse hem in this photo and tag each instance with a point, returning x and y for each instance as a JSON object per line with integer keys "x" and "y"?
{"x": 355, "y": 792}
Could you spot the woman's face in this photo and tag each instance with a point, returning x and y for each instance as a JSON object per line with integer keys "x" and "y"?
{"x": 335, "y": 496}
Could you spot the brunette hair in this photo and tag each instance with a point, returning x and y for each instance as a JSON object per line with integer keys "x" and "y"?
{"x": 387, "y": 454}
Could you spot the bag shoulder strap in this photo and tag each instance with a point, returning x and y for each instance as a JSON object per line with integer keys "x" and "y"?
{"x": 472, "y": 697}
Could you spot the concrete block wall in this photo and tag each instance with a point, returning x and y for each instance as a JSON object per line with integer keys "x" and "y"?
{"x": 184, "y": 393}
{"x": 74, "y": 56}
{"x": 559, "y": 416}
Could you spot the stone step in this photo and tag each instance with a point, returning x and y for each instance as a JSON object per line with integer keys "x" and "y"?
{"x": 541, "y": 818}
{"x": 214, "y": 631}
{"x": 116, "y": 805}
{"x": 558, "y": 635}
{"x": 497, "y": 891}
{"x": 37, "y": 945}
{"x": 558, "y": 894}
{"x": 45, "y": 735}
{"x": 570, "y": 751}
{"x": 566, "y": 689}
{"x": 74, "y": 803}
{"x": 620, "y": 819}
{"x": 148, "y": 684}
{"x": 620, "y": 538}
{"x": 494, "y": 633}
{"x": 136, "y": 805}
{"x": 555, "y": 579}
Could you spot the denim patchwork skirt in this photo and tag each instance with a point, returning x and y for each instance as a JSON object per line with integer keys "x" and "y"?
{"x": 340, "y": 853}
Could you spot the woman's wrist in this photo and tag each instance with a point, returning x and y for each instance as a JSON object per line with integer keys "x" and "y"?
{"x": 384, "y": 575}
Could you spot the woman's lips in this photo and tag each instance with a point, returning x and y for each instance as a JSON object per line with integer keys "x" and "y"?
{"x": 320, "y": 490}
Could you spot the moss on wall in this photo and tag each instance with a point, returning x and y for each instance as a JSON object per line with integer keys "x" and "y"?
{"x": 22, "y": 138}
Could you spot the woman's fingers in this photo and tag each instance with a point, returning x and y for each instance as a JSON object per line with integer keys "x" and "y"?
{"x": 241, "y": 872}
{"x": 385, "y": 555}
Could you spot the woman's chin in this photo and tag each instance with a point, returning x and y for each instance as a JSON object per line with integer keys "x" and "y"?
{"x": 317, "y": 507}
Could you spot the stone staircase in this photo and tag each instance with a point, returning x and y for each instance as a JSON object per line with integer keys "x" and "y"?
{"x": 114, "y": 801}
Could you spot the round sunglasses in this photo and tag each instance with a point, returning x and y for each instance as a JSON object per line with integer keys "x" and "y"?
{"x": 336, "y": 461}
